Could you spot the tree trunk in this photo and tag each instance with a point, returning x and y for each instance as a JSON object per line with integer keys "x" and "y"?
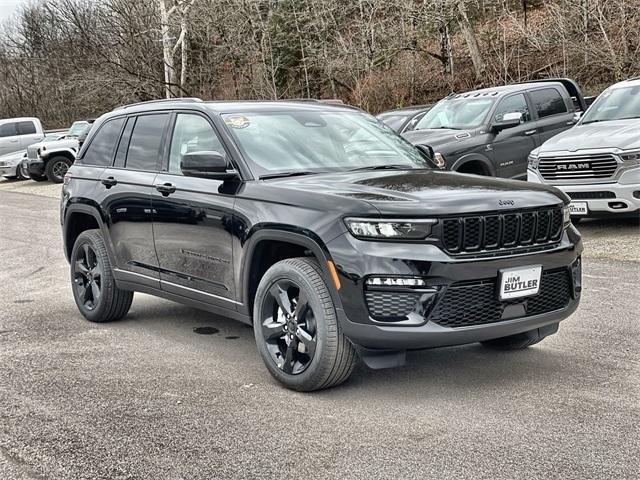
{"x": 472, "y": 42}
{"x": 167, "y": 53}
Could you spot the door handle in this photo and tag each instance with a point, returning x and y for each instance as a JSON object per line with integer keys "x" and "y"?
{"x": 166, "y": 189}
{"x": 530, "y": 132}
{"x": 109, "y": 182}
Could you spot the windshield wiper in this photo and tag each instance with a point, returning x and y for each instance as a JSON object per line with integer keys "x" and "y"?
{"x": 285, "y": 174}
{"x": 382, "y": 167}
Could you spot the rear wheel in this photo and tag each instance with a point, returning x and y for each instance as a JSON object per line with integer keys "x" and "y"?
{"x": 94, "y": 288}
{"x": 57, "y": 168}
{"x": 296, "y": 328}
{"x": 521, "y": 340}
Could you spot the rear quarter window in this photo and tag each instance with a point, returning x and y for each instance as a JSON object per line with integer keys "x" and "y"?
{"x": 102, "y": 147}
{"x": 26, "y": 128}
{"x": 548, "y": 102}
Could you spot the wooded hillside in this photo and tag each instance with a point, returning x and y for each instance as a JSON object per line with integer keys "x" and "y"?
{"x": 66, "y": 59}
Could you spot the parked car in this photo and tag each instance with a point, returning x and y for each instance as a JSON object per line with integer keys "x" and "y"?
{"x": 10, "y": 165}
{"x": 403, "y": 119}
{"x": 492, "y": 131}
{"x": 49, "y": 160}
{"x": 597, "y": 162}
{"x": 319, "y": 226}
{"x": 16, "y": 134}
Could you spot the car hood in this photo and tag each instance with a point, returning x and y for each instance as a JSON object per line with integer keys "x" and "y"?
{"x": 437, "y": 137}
{"x": 55, "y": 144}
{"x": 414, "y": 192}
{"x": 621, "y": 134}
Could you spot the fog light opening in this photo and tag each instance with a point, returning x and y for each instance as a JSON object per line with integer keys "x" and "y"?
{"x": 636, "y": 194}
{"x": 396, "y": 282}
{"x": 617, "y": 205}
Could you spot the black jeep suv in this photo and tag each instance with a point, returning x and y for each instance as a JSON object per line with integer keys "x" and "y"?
{"x": 321, "y": 227}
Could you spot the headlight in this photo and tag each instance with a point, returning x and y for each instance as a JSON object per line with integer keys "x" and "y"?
{"x": 404, "y": 229}
{"x": 439, "y": 160}
{"x": 533, "y": 160}
{"x": 631, "y": 156}
{"x": 566, "y": 215}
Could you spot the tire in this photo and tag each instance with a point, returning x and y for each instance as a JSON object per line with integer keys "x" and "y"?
{"x": 21, "y": 173}
{"x": 37, "y": 177}
{"x": 521, "y": 340}
{"x": 56, "y": 168}
{"x": 299, "y": 286}
{"x": 94, "y": 288}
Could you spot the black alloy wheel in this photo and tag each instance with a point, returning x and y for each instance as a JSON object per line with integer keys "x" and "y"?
{"x": 87, "y": 277}
{"x": 289, "y": 327}
{"x": 57, "y": 168}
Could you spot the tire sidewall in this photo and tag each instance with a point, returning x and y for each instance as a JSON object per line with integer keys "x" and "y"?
{"x": 50, "y": 165}
{"x": 323, "y": 353}
{"x": 91, "y": 238}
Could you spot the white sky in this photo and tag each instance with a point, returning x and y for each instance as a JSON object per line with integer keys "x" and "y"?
{"x": 9, "y": 7}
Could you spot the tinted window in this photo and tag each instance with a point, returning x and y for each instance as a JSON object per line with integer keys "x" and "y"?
{"x": 8, "y": 129}
{"x": 121, "y": 154}
{"x": 514, "y": 103}
{"x": 26, "y": 128}
{"x": 192, "y": 133}
{"x": 100, "y": 151}
{"x": 146, "y": 140}
{"x": 547, "y": 102}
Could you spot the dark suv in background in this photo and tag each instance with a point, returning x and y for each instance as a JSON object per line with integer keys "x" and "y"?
{"x": 321, "y": 227}
{"x": 493, "y": 130}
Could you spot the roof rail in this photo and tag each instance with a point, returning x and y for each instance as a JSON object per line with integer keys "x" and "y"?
{"x": 162, "y": 100}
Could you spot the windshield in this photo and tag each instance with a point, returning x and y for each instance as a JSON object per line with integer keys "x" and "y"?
{"x": 614, "y": 104}
{"x": 77, "y": 129}
{"x": 319, "y": 141}
{"x": 457, "y": 113}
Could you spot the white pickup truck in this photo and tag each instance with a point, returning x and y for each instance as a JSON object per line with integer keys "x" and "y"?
{"x": 16, "y": 134}
{"x": 597, "y": 162}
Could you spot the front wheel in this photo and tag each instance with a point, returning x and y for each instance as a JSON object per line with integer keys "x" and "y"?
{"x": 296, "y": 328}
{"x": 94, "y": 288}
{"x": 22, "y": 172}
{"x": 57, "y": 168}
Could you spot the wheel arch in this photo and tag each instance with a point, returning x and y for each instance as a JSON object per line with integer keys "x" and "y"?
{"x": 254, "y": 263}
{"x": 475, "y": 159}
{"x": 66, "y": 152}
{"x": 79, "y": 218}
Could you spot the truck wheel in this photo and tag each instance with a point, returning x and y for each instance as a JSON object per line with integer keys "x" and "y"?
{"x": 57, "y": 168}
{"x": 296, "y": 328}
{"x": 520, "y": 340}
{"x": 94, "y": 288}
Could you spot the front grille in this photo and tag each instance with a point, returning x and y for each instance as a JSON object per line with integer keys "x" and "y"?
{"x": 32, "y": 152}
{"x": 590, "y": 195}
{"x": 391, "y": 305}
{"x": 578, "y": 167}
{"x": 504, "y": 231}
{"x": 466, "y": 304}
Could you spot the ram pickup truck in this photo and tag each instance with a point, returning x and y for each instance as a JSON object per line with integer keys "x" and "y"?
{"x": 492, "y": 131}
{"x": 16, "y": 134}
{"x": 319, "y": 226}
{"x": 597, "y": 162}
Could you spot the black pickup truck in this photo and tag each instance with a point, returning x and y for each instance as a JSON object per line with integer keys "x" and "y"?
{"x": 493, "y": 130}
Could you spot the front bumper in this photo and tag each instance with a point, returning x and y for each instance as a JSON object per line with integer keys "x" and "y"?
{"x": 35, "y": 166}
{"x": 624, "y": 194}
{"x": 430, "y": 323}
{"x": 9, "y": 170}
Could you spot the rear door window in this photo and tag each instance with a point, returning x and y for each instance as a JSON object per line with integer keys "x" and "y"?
{"x": 8, "y": 129}
{"x": 26, "y": 128}
{"x": 100, "y": 151}
{"x": 145, "y": 146}
{"x": 548, "y": 102}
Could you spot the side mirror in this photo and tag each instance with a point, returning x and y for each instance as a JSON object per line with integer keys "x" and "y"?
{"x": 577, "y": 116}
{"x": 509, "y": 120}
{"x": 206, "y": 165}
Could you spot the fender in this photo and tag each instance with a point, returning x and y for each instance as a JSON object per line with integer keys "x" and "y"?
{"x": 284, "y": 233}
{"x": 69, "y": 153}
{"x": 95, "y": 213}
{"x": 474, "y": 157}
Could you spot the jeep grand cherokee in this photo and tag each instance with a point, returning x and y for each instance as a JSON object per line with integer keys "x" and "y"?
{"x": 322, "y": 228}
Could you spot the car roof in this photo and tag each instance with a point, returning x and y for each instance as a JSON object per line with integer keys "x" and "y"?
{"x": 234, "y": 106}
{"x": 631, "y": 82}
{"x": 503, "y": 90}
{"x": 19, "y": 119}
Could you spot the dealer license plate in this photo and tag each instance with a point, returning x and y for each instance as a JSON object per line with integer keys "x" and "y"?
{"x": 578, "y": 208}
{"x": 519, "y": 282}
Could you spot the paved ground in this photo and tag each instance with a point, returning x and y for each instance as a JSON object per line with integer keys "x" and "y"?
{"x": 150, "y": 398}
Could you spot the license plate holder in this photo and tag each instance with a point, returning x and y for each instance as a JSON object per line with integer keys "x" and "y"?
{"x": 520, "y": 282}
{"x": 579, "y": 208}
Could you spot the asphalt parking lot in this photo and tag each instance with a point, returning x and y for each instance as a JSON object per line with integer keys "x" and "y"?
{"x": 150, "y": 397}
